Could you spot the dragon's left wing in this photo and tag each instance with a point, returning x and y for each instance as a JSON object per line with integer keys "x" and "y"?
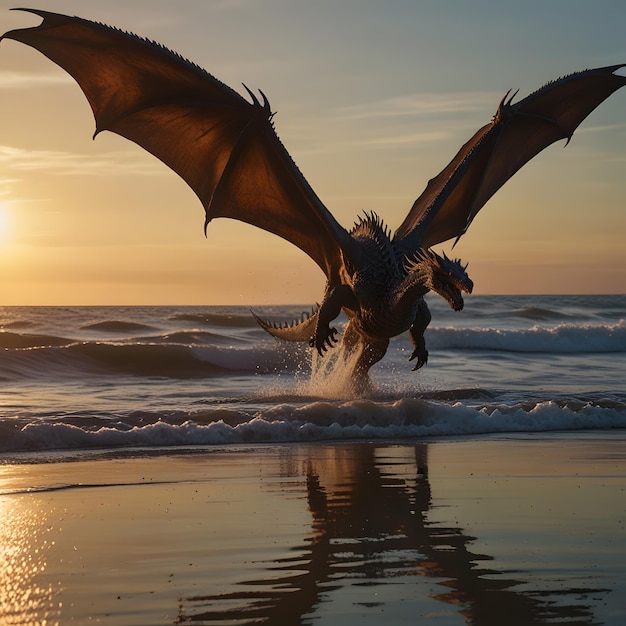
{"x": 517, "y": 133}
{"x": 223, "y": 146}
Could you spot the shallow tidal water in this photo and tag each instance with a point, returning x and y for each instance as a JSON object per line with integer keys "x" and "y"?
{"x": 515, "y": 530}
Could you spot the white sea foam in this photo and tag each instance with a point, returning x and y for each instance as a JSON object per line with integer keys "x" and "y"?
{"x": 323, "y": 421}
{"x": 562, "y": 338}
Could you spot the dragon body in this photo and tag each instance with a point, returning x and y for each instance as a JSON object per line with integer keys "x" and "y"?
{"x": 226, "y": 148}
{"x": 382, "y": 298}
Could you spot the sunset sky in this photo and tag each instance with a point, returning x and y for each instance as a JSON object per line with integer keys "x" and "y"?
{"x": 372, "y": 98}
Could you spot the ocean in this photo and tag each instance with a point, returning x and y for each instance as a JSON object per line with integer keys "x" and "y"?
{"x": 76, "y": 378}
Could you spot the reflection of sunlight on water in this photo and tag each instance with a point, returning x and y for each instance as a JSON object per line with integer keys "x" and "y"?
{"x": 25, "y": 596}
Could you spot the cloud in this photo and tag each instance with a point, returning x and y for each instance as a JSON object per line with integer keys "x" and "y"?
{"x": 407, "y": 138}
{"x": 312, "y": 145}
{"x": 68, "y": 163}
{"x": 5, "y": 184}
{"x": 396, "y": 122}
{"x": 601, "y": 128}
{"x": 419, "y": 118}
{"x": 29, "y": 80}
{"x": 420, "y": 104}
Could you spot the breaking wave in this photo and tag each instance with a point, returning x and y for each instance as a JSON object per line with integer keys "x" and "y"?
{"x": 217, "y": 319}
{"x": 10, "y": 340}
{"x": 138, "y": 359}
{"x": 116, "y": 326}
{"x": 201, "y": 353}
{"x": 314, "y": 421}
{"x": 535, "y": 313}
{"x": 562, "y": 338}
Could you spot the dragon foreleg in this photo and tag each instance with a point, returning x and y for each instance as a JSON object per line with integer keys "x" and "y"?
{"x": 416, "y": 331}
{"x": 335, "y": 299}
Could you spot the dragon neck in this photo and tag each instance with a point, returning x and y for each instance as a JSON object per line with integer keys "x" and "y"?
{"x": 375, "y": 238}
{"x": 415, "y": 284}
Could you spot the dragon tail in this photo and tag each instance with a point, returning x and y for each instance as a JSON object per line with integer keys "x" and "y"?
{"x": 297, "y": 330}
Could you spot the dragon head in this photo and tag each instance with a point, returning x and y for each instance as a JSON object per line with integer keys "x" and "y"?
{"x": 442, "y": 275}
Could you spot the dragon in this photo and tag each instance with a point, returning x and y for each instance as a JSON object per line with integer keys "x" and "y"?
{"x": 226, "y": 148}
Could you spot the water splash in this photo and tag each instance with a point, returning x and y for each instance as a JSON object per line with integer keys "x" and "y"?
{"x": 333, "y": 375}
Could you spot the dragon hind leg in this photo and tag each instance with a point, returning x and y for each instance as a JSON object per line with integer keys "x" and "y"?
{"x": 367, "y": 351}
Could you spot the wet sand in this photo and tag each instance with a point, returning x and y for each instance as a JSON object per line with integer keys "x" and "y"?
{"x": 518, "y": 530}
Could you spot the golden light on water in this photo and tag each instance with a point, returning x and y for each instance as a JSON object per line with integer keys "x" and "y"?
{"x": 26, "y": 597}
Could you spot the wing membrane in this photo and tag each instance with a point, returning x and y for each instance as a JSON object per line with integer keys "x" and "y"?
{"x": 222, "y": 145}
{"x": 517, "y": 133}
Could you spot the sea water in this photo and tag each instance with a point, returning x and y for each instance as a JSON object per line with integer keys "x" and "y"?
{"x": 163, "y": 376}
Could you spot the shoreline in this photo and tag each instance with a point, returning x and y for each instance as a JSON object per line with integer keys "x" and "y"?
{"x": 67, "y": 455}
{"x": 518, "y": 529}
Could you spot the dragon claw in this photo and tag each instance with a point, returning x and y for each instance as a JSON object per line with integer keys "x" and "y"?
{"x": 322, "y": 343}
{"x": 422, "y": 358}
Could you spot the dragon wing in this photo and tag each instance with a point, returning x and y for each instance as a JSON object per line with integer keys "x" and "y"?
{"x": 516, "y": 134}
{"x": 223, "y": 146}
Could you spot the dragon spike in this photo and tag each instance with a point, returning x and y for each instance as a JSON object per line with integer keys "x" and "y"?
{"x": 255, "y": 100}
{"x": 266, "y": 105}
{"x": 419, "y": 256}
{"x": 504, "y": 105}
{"x": 296, "y": 330}
{"x": 500, "y": 110}
{"x": 510, "y": 100}
{"x": 372, "y": 216}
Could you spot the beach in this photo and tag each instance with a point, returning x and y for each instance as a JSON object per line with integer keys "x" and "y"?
{"x": 211, "y": 447}
{"x": 517, "y": 529}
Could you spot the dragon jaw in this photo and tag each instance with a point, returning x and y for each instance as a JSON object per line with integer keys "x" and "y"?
{"x": 444, "y": 276}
